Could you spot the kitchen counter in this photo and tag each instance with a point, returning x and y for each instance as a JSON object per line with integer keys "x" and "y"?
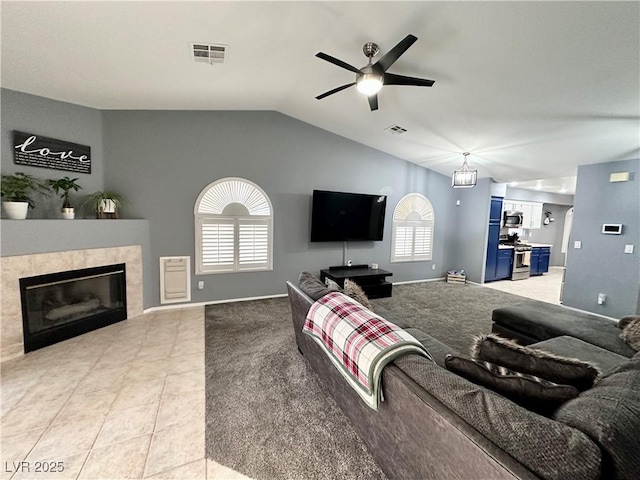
{"x": 536, "y": 245}
{"x": 505, "y": 247}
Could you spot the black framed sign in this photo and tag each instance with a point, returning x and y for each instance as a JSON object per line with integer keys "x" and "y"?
{"x": 37, "y": 151}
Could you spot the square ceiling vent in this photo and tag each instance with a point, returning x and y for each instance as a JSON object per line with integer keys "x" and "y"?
{"x": 396, "y": 130}
{"x": 208, "y": 52}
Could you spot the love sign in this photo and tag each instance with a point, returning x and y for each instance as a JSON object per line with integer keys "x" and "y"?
{"x": 37, "y": 151}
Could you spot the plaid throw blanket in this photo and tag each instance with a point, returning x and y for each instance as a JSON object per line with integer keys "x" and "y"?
{"x": 358, "y": 342}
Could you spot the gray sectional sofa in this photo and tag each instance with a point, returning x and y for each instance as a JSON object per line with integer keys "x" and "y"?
{"x": 435, "y": 424}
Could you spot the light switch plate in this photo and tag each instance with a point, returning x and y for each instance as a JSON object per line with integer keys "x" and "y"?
{"x": 628, "y": 249}
{"x": 577, "y": 244}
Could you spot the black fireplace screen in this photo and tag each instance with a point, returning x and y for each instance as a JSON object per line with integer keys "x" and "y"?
{"x": 62, "y": 305}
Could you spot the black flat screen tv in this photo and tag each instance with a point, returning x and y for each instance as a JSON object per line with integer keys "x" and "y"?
{"x": 340, "y": 216}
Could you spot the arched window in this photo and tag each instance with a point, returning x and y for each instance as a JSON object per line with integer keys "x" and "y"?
{"x": 412, "y": 239}
{"x": 234, "y": 227}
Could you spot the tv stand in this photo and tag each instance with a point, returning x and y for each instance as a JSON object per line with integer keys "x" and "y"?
{"x": 371, "y": 281}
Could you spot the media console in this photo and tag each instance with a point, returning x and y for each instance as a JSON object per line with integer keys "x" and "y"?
{"x": 371, "y": 281}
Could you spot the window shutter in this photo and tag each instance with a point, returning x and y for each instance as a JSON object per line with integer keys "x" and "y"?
{"x": 253, "y": 243}
{"x": 403, "y": 242}
{"x": 217, "y": 244}
{"x": 422, "y": 245}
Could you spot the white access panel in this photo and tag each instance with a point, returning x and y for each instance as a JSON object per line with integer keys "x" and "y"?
{"x": 175, "y": 279}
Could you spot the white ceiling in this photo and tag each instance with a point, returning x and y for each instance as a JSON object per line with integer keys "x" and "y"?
{"x": 531, "y": 89}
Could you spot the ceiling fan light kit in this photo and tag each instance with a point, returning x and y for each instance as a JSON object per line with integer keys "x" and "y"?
{"x": 371, "y": 78}
{"x": 465, "y": 177}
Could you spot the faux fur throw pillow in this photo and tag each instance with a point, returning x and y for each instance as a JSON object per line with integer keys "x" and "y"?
{"x": 630, "y": 326}
{"x": 534, "y": 361}
{"x": 529, "y": 391}
{"x": 352, "y": 289}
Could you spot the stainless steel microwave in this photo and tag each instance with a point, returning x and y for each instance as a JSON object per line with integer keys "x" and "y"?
{"x": 512, "y": 219}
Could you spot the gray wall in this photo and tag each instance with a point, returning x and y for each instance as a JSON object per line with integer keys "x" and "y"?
{"x": 467, "y": 247}
{"x": 162, "y": 160}
{"x": 601, "y": 264}
{"x": 59, "y": 120}
{"x": 551, "y": 233}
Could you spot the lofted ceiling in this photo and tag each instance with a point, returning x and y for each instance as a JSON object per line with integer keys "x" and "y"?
{"x": 530, "y": 89}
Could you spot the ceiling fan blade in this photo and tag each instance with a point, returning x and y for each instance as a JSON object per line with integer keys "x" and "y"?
{"x": 392, "y": 55}
{"x": 373, "y": 102}
{"x": 335, "y": 90}
{"x": 391, "y": 79}
{"x": 337, "y": 62}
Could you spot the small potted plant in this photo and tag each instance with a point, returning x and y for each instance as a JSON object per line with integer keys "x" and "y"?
{"x": 17, "y": 192}
{"x": 106, "y": 203}
{"x": 65, "y": 185}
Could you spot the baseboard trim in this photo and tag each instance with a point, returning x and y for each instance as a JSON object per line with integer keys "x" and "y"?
{"x": 212, "y": 302}
{"x": 589, "y": 313}
{"x": 419, "y": 281}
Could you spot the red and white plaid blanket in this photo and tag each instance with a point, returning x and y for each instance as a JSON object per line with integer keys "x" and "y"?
{"x": 358, "y": 342}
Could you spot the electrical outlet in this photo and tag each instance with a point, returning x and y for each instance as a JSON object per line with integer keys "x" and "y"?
{"x": 601, "y": 298}
{"x": 433, "y": 267}
{"x": 200, "y": 285}
{"x": 577, "y": 244}
{"x": 628, "y": 248}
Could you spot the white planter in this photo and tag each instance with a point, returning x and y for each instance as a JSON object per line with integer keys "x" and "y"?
{"x": 68, "y": 213}
{"x": 107, "y": 206}
{"x": 16, "y": 210}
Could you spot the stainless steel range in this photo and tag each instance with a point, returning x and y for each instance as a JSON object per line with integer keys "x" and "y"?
{"x": 521, "y": 261}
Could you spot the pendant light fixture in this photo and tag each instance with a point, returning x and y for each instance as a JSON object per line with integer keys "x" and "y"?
{"x": 465, "y": 177}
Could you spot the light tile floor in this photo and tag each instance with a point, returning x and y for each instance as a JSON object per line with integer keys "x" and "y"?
{"x": 545, "y": 288}
{"x": 125, "y": 401}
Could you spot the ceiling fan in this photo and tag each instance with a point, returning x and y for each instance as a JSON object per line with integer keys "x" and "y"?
{"x": 371, "y": 78}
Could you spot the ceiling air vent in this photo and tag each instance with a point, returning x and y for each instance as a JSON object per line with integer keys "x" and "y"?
{"x": 208, "y": 52}
{"x": 396, "y": 130}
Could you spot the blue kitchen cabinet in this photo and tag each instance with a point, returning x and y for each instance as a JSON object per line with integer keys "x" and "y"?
{"x": 540, "y": 260}
{"x": 504, "y": 264}
{"x": 492, "y": 253}
{"x": 493, "y": 241}
{"x": 495, "y": 213}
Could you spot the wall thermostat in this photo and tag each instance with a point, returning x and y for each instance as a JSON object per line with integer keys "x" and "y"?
{"x": 612, "y": 228}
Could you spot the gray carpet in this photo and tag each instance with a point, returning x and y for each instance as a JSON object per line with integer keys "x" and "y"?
{"x": 267, "y": 415}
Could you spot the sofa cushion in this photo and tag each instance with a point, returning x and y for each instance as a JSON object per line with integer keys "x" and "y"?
{"x": 550, "y": 449}
{"x": 531, "y": 392}
{"x": 610, "y": 414}
{"x": 542, "y": 321}
{"x": 312, "y": 286}
{"x": 602, "y": 359}
{"x": 534, "y": 361}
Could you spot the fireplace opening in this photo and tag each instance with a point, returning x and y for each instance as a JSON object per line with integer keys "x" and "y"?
{"x": 59, "y": 306}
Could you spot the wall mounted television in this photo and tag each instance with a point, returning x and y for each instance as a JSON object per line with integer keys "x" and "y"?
{"x": 341, "y": 216}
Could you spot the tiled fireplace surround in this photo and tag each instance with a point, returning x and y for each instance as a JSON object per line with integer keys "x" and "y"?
{"x": 15, "y": 267}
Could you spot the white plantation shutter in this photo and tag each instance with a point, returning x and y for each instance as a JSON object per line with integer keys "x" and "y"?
{"x": 217, "y": 244}
{"x": 234, "y": 227}
{"x": 413, "y": 221}
{"x": 253, "y": 242}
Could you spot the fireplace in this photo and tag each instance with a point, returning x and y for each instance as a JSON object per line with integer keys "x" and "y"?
{"x": 59, "y": 306}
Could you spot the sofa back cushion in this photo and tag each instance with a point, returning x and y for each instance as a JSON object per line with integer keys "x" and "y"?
{"x": 312, "y": 286}
{"x": 610, "y": 414}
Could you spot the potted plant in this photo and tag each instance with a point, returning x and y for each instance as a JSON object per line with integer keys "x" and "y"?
{"x": 17, "y": 192}
{"x": 65, "y": 185}
{"x": 106, "y": 203}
